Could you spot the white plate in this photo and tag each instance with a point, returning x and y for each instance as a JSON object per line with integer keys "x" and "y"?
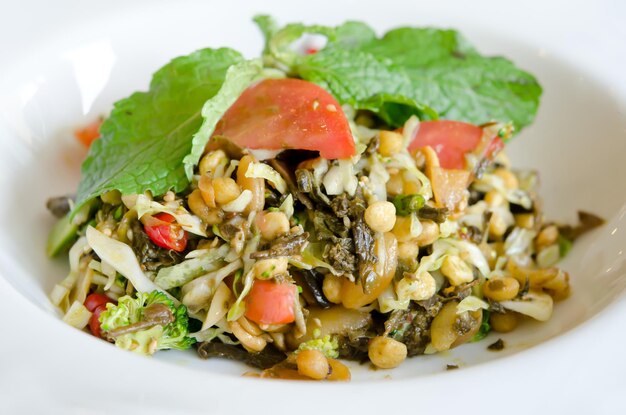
{"x": 84, "y": 57}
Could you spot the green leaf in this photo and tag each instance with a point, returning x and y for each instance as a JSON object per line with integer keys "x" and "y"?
{"x": 364, "y": 82}
{"x": 146, "y": 142}
{"x": 565, "y": 245}
{"x": 420, "y": 71}
{"x": 451, "y": 76}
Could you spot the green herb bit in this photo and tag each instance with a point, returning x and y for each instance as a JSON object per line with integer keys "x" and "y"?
{"x": 565, "y": 245}
{"x": 407, "y": 204}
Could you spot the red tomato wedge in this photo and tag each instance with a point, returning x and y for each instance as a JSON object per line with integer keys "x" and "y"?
{"x": 451, "y": 140}
{"x": 269, "y": 302}
{"x": 164, "y": 233}
{"x": 94, "y": 321}
{"x": 95, "y": 300}
{"x": 89, "y": 133}
{"x": 278, "y": 114}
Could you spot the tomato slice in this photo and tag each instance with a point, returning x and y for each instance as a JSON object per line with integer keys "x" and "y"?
{"x": 89, "y": 133}
{"x": 278, "y": 114}
{"x": 165, "y": 234}
{"x": 95, "y": 300}
{"x": 269, "y": 302}
{"x": 451, "y": 140}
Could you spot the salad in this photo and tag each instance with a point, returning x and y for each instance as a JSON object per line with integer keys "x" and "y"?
{"x": 351, "y": 200}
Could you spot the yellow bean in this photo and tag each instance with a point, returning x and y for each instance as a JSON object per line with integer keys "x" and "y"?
{"x": 332, "y": 288}
{"x": 456, "y": 270}
{"x": 205, "y": 185}
{"x": 226, "y": 190}
{"x": 497, "y": 225}
{"x": 386, "y": 353}
{"x": 408, "y": 251}
{"x": 547, "y": 237}
{"x": 199, "y": 208}
{"x": 255, "y": 185}
{"x": 250, "y": 342}
{"x": 429, "y": 234}
{"x": 211, "y": 161}
{"x": 444, "y": 330}
{"x": 494, "y": 198}
{"x": 390, "y": 143}
{"x": 402, "y": 228}
{"x": 509, "y": 179}
{"x": 312, "y": 363}
{"x": 395, "y": 184}
{"x": 338, "y": 371}
{"x": 353, "y": 295}
{"x": 501, "y": 289}
{"x": 525, "y": 220}
{"x": 503, "y": 323}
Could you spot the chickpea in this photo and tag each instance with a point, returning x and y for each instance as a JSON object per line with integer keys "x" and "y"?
{"x": 272, "y": 225}
{"x": 380, "y": 216}
{"x": 211, "y": 161}
{"x": 395, "y": 184}
{"x": 501, "y": 289}
{"x": 411, "y": 187}
{"x": 386, "y": 353}
{"x": 312, "y": 363}
{"x": 456, "y": 270}
{"x": 199, "y": 208}
{"x": 331, "y": 287}
{"x": 430, "y": 233}
{"x": 497, "y": 225}
{"x": 338, "y": 371}
{"x": 205, "y": 185}
{"x": 547, "y": 236}
{"x": 525, "y": 220}
{"x": 508, "y": 177}
{"x": 255, "y": 185}
{"x": 390, "y": 143}
{"x": 408, "y": 251}
{"x": 267, "y": 268}
{"x": 226, "y": 190}
{"x": 417, "y": 287}
{"x": 503, "y": 323}
{"x": 402, "y": 228}
{"x": 250, "y": 342}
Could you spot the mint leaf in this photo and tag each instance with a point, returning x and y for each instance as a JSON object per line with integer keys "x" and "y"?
{"x": 146, "y": 142}
{"x": 410, "y": 70}
{"x": 451, "y": 76}
{"x": 238, "y": 78}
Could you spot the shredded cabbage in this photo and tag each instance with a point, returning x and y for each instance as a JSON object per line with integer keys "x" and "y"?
{"x": 287, "y": 206}
{"x": 77, "y": 316}
{"x": 122, "y": 257}
{"x": 239, "y": 204}
{"x": 471, "y": 303}
{"x": 410, "y": 129}
{"x": 191, "y": 223}
{"x": 492, "y": 182}
{"x": 265, "y": 171}
{"x": 181, "y": 273}
{"x": 519, "y": 241}
{"x": 341, "y": 178}
{"x": 403, "y": 160}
